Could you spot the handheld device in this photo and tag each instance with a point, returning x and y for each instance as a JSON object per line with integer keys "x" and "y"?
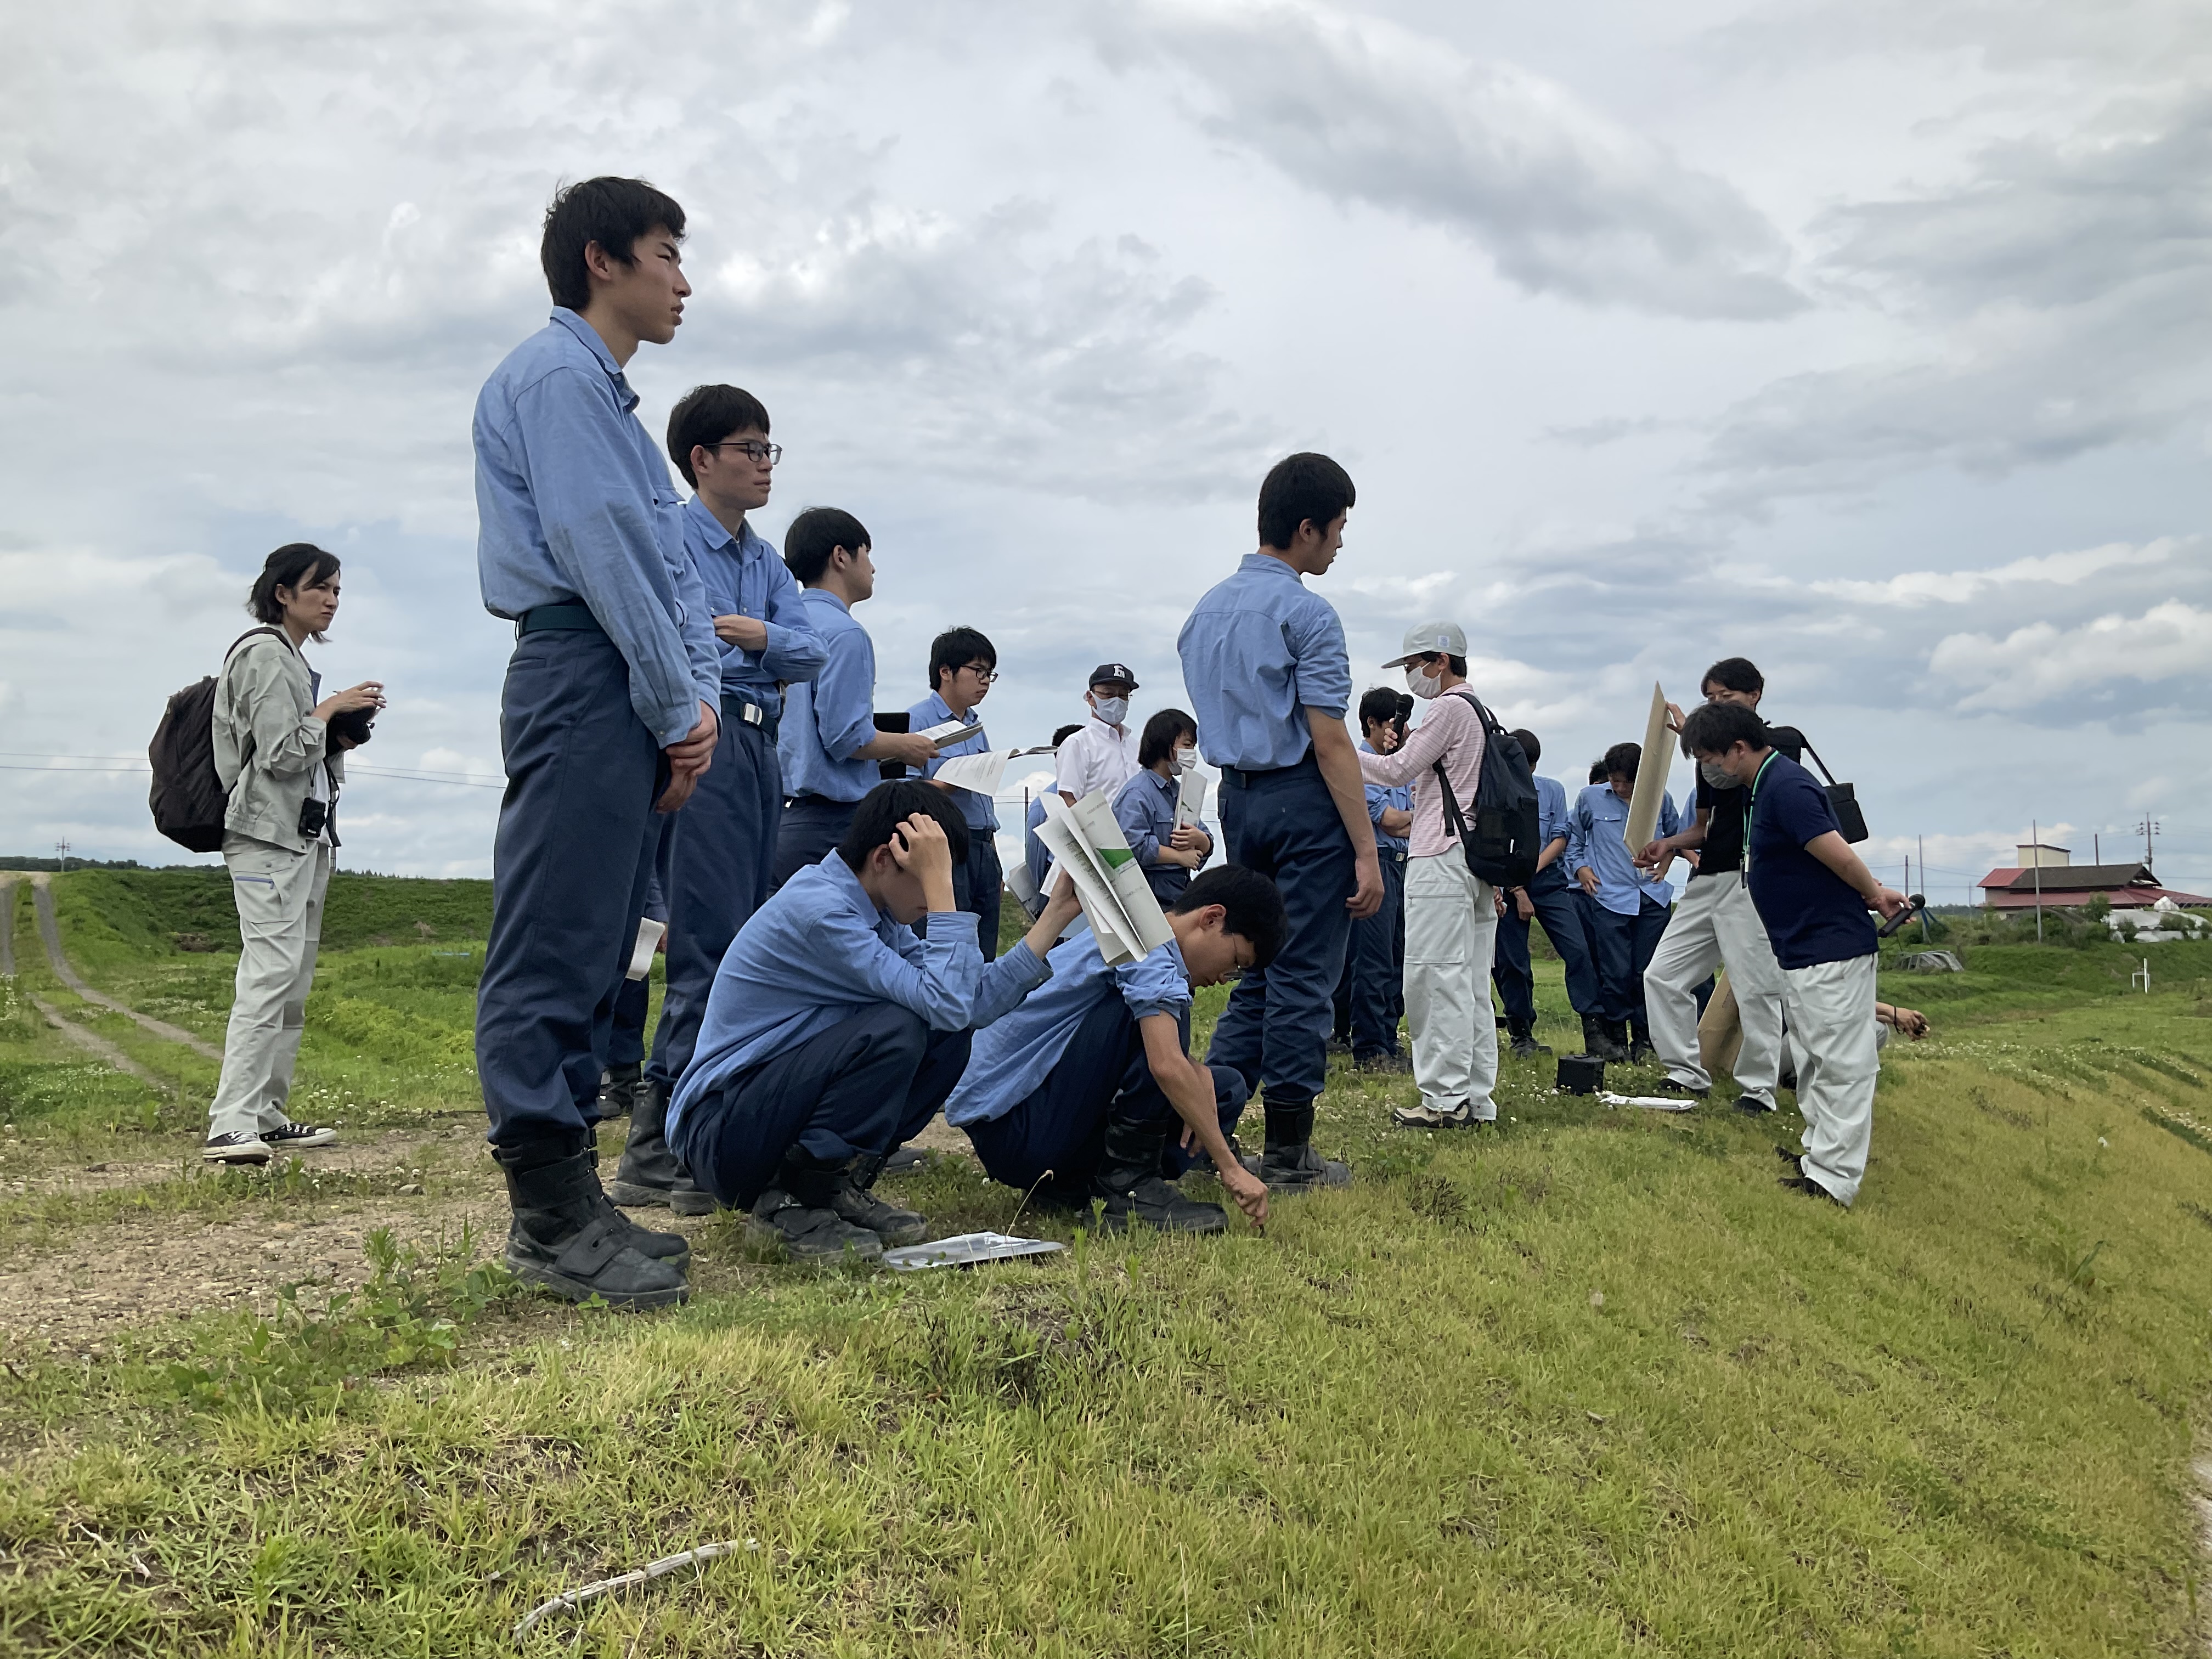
{"x": 1913, "y": 907}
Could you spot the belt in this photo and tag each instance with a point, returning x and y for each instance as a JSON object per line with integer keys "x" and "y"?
{"x": 1391, "y": 853}
{"x": 749, "y": 711}
{"x": 572, "y": 616}
{"x": 1244, "y": 777}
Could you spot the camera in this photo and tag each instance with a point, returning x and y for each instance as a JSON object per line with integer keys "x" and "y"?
{"x": 314, "y": 815}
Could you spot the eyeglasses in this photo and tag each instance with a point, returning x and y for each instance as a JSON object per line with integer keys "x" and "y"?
{"x": 984, "y": 675}
{"x": 751, "y": 448}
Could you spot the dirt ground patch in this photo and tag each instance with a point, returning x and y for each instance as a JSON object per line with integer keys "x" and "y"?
{"x": 358, "y": 1152}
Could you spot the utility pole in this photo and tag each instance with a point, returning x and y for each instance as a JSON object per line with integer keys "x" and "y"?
{"x": 2035, "y": 851}
{"x": 1922, "y": 842}
{"x": 62, "y": 849}
{"x": 2147, "y": 828}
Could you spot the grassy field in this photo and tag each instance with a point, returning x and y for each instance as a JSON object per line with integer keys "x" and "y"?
{"x": 1591, "y": 1386}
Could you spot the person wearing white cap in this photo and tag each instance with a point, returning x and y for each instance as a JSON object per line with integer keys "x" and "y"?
{"x": 1451, "y": 914}
{"x": 1104, "y": 754}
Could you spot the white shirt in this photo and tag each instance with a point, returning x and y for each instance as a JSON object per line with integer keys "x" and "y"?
{"x": 1099, "y": 757}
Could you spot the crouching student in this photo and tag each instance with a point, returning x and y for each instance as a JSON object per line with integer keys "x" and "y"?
{"x": 1813, "y": 892}
{"x": 1146, "y": 805}
{"x": 1088, "y": 1081}
{"x": 839, "y": 1021}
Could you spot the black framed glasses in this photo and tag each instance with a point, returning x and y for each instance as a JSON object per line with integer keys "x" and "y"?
{"x": 752, "y": 449}
{"x": 983, "y": 675}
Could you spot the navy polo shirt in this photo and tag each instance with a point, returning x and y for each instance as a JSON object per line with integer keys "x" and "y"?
{"x": 1812, "y": 914}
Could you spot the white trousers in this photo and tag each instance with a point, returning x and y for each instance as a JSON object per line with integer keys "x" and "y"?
{"x": 1831, "y": 1026}
{"x": 279, "y": 895}
{"x": 1715, "y": 926}
{"x": 1452, "y": 929}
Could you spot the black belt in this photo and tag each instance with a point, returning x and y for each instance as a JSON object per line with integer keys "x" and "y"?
{"x": 750, "y": 711}
{"x": 1244, "y": 777}
{"x": 572, "y": 616}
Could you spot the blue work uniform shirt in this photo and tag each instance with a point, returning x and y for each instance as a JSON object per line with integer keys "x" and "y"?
{"x": 818, "y": 952}
{"x": 977, "y": 809}
{"x": 1551, "y": 816}
{"x": 574, "y": 505}
{"x": 827, "y": 718}
{"x": 1258, "y": 651}
{"x": 1386, "y": 798}
{"x": 1012, "y": 1059}
{"x": 1033, "y": 851}
{"x": 1594, "y": 838}
{"x": 1145, "y": 807}
{"x": 745, "y": 576}
{"x": 1812, "y": 914}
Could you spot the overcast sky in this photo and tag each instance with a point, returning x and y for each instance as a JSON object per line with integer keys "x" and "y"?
{"x": 1869, "y": 339}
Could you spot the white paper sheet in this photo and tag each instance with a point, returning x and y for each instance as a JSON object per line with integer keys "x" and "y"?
{"x": 648, "y": 938}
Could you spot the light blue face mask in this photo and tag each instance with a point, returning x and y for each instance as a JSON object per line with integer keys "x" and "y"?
{"x": 1112, "y": 710}
{"x": 1717, "y": 776}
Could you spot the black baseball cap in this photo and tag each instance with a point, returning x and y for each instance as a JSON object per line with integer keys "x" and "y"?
{"x": 1113, "y": 670}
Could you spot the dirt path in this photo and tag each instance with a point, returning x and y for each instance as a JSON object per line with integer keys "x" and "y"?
{"x": 50, "y": 935}
{"x": 98, "y": 1046}
{"x": 8, "y": 927}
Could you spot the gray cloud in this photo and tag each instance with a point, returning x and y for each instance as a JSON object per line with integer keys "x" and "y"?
{"x": 1564, "y": 201}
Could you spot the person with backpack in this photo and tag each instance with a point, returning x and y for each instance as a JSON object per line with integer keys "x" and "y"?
{"x": 276, "y": 743}
{"x": 1452, "y": 913}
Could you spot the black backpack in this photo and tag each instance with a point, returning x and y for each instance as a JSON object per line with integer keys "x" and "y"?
{"x": 188, "y": 799}
{"x": 1501, "y": 845}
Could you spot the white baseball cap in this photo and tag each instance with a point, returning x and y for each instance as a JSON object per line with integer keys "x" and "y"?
{"x": 1428, "y": 639}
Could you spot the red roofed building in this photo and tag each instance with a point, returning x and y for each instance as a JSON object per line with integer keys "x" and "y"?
{"x": 2048, "y": 876}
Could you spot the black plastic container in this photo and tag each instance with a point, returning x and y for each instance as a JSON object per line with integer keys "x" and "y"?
{"x": 1581, "y": 1074}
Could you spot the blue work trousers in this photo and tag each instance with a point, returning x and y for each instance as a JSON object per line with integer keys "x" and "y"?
{"x": 1372, "y": 995}
{"x": 633, "y": 997}
{"x": 723, "y": 842}
{"x": 808, "y": 832}
{"x": 976, "y": 884}
{"x": 861, "y": 1088}
{"x": 567, "y": 882}
{"x": 1061, "y": 1128}
{"x": 1623, "y": 946}
{"x": 1553, "y": 897}
{"x": 1275, "y": 1030}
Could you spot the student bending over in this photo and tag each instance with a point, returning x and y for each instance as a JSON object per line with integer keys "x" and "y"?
{"x": 1085, "y": 1081}
{"x": 839, "y": 1022}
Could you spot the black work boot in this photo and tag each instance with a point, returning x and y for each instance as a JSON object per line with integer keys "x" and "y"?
{"x": 650, "y": 1172}
{"x": 855, "y": 1200}
{"x": 795, "y": 1216}
{"x": 1525, "y": 1046}
{"x": 1129, "y": 1181}
{"x": 672, "y": 1248}
{"x": 1287, "y": 1162}
{"x": 562, "y": 1238}
{"x": 618, "y": 1089}
{"x": 1640, "y": 1047}
{"x": 1597, "y": 1042}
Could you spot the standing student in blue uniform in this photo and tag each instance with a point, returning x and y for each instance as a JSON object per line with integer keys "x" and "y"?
{"x": 1077, "y": 1093}
{"x": 1034, "y": 852}
{"x": 723, "y": 843}
{"x": 1631, "y": 905}
{"x": 964, "y": 665}
{"x": 827, "y": 742}
{"x": 1372, "y": 994}
{"x": 611, "y": 710}
{"x": 1146, "y": 807}
{"x": 840, "y": 1021}
{"x": 624, "y": 1081}
{"x": 1813, "y": 893}
{"x": 1265, "y": 663}
{"x": 1548, "y": 897}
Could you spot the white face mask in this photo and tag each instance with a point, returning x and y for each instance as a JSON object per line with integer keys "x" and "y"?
{"x": 1717, "y": 776}
{"x": 1422, "y": 683}
{"x": 1112, "y": 710}
{"x": 1184, "y": 760}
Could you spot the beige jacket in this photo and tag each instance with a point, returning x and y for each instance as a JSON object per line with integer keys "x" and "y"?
{"x": 268, "y": 741}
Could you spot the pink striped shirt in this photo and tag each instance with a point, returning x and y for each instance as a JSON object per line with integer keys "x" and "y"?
{"x": 1451, "y": 731}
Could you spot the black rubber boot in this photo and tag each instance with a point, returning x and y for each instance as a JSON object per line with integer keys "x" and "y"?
{"x": 562, "y": 1238}
{"x": 672, "y": 1248}
{"x": 795, "y": 1216}
{"x": 855, "y": 1200}
{"x": 1129, "y": 1181}
{"x": 1640, "y": 1047}
{"x": 1598, "y": 1041}
{"x": 618, "y": 1089}
{"x": 1525, "y": 1046}
{"x": 1288, "y": 1162}
{"x": 650, "y": 1172}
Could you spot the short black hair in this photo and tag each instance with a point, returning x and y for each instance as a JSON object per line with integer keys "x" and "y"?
{"x": 612, "y": 212}
{"x": 1714, "y": 729}
{"x": 1529, "y": 746}
{"x": 888, "y": 806}
{"x": 1735, "y": 674}
{"x": 816, "y": 534}
{"x": 954, "y": 648}
{"x": 707, "y": 414}
{"x": 296, "y": 565}
{"x": 1158, "y": 742}
{"x": 1597, "y": 771}
{"x": 1378, "y": 706}
{"x": 1064, "y": 734}
{"x": 1624, "y": 758}
{"x": 1253, "y": 903}
{"x": 1297, "y": 487}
